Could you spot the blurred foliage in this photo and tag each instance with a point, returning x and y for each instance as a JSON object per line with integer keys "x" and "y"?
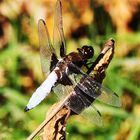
{"x": 85, "y": 22}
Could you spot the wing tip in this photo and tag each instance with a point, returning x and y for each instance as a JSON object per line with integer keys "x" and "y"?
{"x": 118, "y": 104}
{"x": 41, "y": 21}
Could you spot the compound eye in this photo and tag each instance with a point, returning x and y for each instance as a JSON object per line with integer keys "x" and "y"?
{"x": 87, "y": 51}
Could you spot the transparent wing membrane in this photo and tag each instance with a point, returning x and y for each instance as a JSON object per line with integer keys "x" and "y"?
{"x": 49, "y": 53}
{"x": 62, "y": 91}
{"x": 109, "y": 97}
{"x": 46, "y": 48}
{"x": 58, "y": 34}
{"x": 95, "y": 90}
{"x": 92, "y": 114}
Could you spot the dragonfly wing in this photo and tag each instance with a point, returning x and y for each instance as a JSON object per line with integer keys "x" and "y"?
{"x": 94, "y": 89}
{"x": 109, "y": 97}
{"x": 62, "y": 90}
{"x": 79, "y": 103}
{"x": 93, "y": 115}
{"x": 46, "y": 50}
{"x": 58, "y": 34}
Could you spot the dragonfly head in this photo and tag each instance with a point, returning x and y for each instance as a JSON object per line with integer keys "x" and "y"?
{"x": 86, "y": 51}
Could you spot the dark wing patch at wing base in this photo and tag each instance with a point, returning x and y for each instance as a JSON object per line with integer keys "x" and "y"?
{"x": 79, "y": 103}
{"x": 95, "y": 90}
{"x": 62, "y": 49}
{"x": 58, "y": 34}
{"x": 54, "y": 61}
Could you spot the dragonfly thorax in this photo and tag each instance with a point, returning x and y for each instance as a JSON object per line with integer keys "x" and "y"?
{"x": 62, "y": 66}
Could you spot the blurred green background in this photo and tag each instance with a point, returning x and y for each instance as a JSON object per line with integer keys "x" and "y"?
{"x": 89, "y": 22}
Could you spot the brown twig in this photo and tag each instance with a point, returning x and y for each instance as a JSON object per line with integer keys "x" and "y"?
{"x": 49, "y": 118}
{"x": 55, "y": 129}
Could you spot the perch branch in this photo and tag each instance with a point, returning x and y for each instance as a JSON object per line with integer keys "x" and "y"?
{"x": 49, "y": 118}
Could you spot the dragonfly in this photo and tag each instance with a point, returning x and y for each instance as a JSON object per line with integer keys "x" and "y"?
{"x": 65, "y": 74}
